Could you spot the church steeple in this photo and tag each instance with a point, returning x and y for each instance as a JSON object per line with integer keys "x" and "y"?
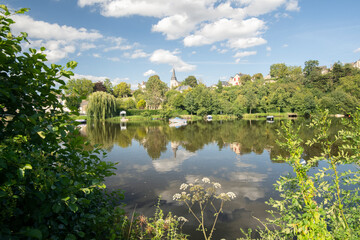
{"x": 173, "y": 77}
{"x": 173, "y": 82}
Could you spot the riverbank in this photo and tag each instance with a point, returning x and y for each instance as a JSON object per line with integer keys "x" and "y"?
{"x": 263, "y": 116}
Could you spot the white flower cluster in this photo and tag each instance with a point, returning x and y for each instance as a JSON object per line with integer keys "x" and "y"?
{"x": 176, "y": 196}
{"x": 183, "y": 186}
{"x": 231, "y": 195}
{"x": 182, "y": 219}
{"x": 205, "y": 180}
{"x": 217, "y": 185}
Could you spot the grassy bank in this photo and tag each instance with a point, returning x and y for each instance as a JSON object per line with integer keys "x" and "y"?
{"x": 264, "y": 115}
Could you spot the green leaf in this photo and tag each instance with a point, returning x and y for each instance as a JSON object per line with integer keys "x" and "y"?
{"x": 56, "y": 208}
{"x": 33, "y": 233}
{"x": 70, "y": 237}
{"x": 73, "y": 207}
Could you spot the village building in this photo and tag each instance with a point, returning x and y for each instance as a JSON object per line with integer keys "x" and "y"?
{"x": 83, "y": 106}
{"x": 324, "y": 70}
{"x": 356, "y": 64}
{"x": 174, "y": 82}
{"x": 235, "y": 81}
{"x": 142, "y": 85}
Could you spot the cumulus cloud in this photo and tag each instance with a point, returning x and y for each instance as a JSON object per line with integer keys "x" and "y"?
{"x": 149, "y": 73}
{"x": 51, "y": 31}
{"x": 213, "y": 21}
{"x": 138, "y": 53}
{"x": 59, "y": 40}
{"x": 357, "y": 50}
{"x": 225, "y": 29}
{"x": 244, "y": 54}
{"x": 246, "y": 42}
{"x": 164, "y": 56}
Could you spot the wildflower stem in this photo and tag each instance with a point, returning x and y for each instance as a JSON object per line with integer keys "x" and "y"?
{"x": 216, "y": 218}
{"x": 202, "y": 221}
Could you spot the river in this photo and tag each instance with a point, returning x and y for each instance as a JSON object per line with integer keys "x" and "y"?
{"x": 155, "y": 159}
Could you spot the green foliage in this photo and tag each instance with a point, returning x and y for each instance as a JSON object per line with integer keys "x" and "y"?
{"x": 155, "y": 92}
{"x": 79, "y": 87}
{"x": 73, "y": 102}
{"x": 322, "y": 205}
{"x": 50, "y": 187}
{"x": 278, "y": 70}
{"x": 122, "y": 90}
{"x": 108, "y": 85}
{"x": 310, "y": 66}
{"x": 141, "y": 104}
{"x": 190, "y": 81}
{"x": 198, "y": 196}
{"x": 101, "y": 105}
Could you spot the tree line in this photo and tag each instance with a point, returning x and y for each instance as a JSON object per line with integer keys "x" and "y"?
{"x": 290, "y": 89}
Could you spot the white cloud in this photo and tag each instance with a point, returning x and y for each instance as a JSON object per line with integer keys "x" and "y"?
{"x": 268, "y": 49}
{"x": 149, "y": 73}
{"x": 114, "y": 59}
{"x": 244, "y": 54}
{"x": 292, "y": 5}
{"x": 246, "y": 42}
{"x": 174, "y": 26}
{"x": 118, "y": 43}
{"x": 213, "y": 21}
{"x": 90, "y": 77}
{"x": 96, "y": 55}
{"x": 167, "y": 57}
{"x": 51, "y": 31}
{"x": 226, "y": 29}
{"x": 87, "y": 46}
{"x": 138, "y": 53}
{"x": 285, "y": 45}
{"x": 357, "y": 50}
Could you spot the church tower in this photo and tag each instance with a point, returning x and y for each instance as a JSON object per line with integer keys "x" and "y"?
{"x": 173, "y": 82}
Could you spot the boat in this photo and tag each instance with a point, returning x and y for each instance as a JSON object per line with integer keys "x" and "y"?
{"x": 270, "y": 119}
{"x": 81, "y": 121}
{"x": 177, "y": 122}
{"x": 209, "y": 118}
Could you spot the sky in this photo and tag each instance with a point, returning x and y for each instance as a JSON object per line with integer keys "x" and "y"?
{"x": 130, "y": 40}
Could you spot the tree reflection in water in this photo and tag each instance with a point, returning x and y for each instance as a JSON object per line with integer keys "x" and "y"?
{"x": 242, "y": 136}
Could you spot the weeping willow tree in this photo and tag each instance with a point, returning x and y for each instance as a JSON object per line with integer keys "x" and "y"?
{"x": 101, "y": 105}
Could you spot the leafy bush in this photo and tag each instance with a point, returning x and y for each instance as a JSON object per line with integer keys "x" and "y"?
{"x": 323, "y": 205}
{"x": 50, "y": 187}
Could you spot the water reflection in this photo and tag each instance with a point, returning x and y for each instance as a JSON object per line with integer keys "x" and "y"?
{"x": 154, "y": 159}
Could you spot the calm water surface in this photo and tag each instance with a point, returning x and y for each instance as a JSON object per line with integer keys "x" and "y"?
{"x": 154, "y": 159}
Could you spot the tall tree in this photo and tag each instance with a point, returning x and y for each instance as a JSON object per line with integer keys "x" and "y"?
{"x": 155, "y": 91}
{"x": 108, "y": 85}
{"x": 79, "y": 87}
{"x": 122, "y": 90}
{"x": 99, "y": 87}
{"x": 310, "y": 66}
{"x": 190, "y": 81}
{"x": 101, "y": 105}
{"x": 278, "y": 70}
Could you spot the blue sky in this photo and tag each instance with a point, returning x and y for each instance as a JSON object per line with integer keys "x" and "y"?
{"x": 129, "y": 40}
